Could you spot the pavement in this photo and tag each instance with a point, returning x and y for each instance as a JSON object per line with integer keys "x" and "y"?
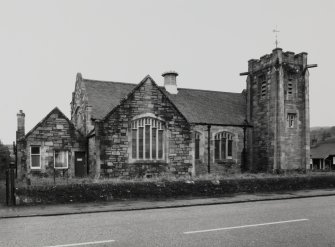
{"x": 131, "y": 205}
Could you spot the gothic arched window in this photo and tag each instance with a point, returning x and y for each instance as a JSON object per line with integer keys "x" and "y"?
{"x": 147, "y": 139}
{"x": 223, "y": 146}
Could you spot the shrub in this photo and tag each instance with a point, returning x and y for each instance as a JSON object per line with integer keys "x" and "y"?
{"x": 160, "y": 188}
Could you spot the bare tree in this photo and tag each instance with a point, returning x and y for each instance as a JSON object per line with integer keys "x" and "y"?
{"x": 4, "y": 159}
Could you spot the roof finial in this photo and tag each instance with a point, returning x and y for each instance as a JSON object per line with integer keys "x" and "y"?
{"x": 276, "y": 31}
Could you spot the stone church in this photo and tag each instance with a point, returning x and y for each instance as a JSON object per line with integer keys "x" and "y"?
{"x": 143, "y": 130}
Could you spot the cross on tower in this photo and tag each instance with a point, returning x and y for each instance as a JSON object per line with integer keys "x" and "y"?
{"x": 276, "y": 31}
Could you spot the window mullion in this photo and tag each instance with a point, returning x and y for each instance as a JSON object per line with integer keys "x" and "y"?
{"x": 163, "y": 145}
{"x": 150, "y": 141}
{"x": 220, "y": 149}
{"x": 157, "y": 130}
{"x": 137, "y": 142}
{"x": 150, "y": 134}
{"x": 227, "y": 143}
{"x": 143, "y": 140}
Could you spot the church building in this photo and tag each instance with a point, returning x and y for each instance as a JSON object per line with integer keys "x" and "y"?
{"x": 123, "y": 130}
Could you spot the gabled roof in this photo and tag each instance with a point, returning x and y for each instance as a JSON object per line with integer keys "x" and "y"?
{"x": 197, "y": 106}
{"x": 323, "y": 150}
{"x": 56, "y": 109}
{"x": 104, "y": 96}
{"x": 148, "y": 77}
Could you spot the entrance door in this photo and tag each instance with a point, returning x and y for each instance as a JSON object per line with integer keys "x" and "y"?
{"x": 80, "y": 168}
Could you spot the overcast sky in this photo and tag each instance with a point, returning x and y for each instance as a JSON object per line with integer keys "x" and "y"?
{"x": 45, "y": 43}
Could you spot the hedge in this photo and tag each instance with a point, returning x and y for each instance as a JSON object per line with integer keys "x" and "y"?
{"x": 94, "y": 192}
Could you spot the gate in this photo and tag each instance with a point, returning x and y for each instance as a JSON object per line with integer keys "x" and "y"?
{"x": 10, "y": 185}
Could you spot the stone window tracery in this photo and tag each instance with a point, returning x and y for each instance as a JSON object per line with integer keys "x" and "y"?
{"x": 223, "y": 146}
{"x": 147, "y": 136}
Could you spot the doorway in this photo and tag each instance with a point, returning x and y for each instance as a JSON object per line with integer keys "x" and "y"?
{"x": 80, "y": 167}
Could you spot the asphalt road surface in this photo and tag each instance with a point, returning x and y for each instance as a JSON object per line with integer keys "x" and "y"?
{"x": 296, "y": 222}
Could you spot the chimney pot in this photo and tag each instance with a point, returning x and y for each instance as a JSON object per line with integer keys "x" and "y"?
{"x": 170, "y": 81}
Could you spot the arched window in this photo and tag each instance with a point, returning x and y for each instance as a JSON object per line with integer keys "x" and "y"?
{"x": 147, "y": 139}
{"x": 197, "y": 145}
{"x": 223, "y": 146}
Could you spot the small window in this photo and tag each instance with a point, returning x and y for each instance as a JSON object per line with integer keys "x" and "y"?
{"x": 197, "y": 146}
{"x": 291, "y": 120}
{"x": 61, "y": 159}
{"x": 35, "y": 157}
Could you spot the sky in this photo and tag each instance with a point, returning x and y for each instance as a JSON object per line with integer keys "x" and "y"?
{"x": 43, "y": 44}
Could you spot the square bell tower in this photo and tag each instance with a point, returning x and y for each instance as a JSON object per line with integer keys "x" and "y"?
{"x": 278, "y": 110}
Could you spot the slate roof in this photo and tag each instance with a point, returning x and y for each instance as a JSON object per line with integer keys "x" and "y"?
{"x": 323, "y": 150}
{"x": 198, "y": 106}
{"x": 103, "y": 96}
{"x": 210, "y": 107}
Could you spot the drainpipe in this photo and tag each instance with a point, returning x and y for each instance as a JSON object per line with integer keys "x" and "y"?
{"x": 15, "y": 155}
{"x": 209, "y": 149}
{"x": 244, "y": 153}
{"x": 87, "y": 155}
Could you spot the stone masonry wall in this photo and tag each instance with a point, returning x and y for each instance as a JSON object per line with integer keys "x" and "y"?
{"x": 293, "y": 138}
{"x": 91, "y": 155}
{"x": 260, "y": 119}
{"x": 115, "y": 136}
{"x": 218, "y": 166}
{"x": 273, "y": 144}
{"x": 55, "y": 133}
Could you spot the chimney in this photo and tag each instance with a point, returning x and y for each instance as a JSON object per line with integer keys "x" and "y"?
{"x": 170, "y": 82}
{"x": 20, "y": 125}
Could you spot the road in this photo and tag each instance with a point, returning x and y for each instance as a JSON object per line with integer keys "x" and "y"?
{"x": 296, "y": 222}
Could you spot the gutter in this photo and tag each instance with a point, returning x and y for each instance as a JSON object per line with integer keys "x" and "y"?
{"x": 227, "y": 125}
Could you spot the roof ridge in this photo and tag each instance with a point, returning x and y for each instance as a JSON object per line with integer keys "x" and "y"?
{"x": 193, "y": 104}
{"x": 116, "y": 82}
{"x": 203, "y": 90}
{"x": 206, "y": 90}
{"x": 179, "y": 88}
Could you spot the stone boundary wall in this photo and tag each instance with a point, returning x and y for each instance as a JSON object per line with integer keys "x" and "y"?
{"x": 109, "y": 191}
